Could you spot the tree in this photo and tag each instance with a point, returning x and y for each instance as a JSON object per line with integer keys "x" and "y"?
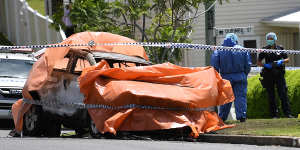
{"x": 168, "y": 21}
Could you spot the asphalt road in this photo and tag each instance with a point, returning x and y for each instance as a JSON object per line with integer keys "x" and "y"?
{"x": 28, "y": 143}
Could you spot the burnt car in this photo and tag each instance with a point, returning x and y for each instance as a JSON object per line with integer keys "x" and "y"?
{"x": 14, "y": 70}
{"x": 47, "y": 120}
{"x": 125, "y": 91}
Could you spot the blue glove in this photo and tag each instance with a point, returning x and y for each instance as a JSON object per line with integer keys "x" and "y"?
{"x": 280, "y": 62}
{"x": 269, "y": 66}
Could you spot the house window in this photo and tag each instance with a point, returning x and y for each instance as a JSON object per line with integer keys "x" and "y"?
{"x": 251, "y": 44}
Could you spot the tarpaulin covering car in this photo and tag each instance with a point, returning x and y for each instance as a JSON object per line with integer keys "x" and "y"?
{"x": 138, "y": 96}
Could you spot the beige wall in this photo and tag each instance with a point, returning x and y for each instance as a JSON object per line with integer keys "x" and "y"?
{"x": 245, "y": 13}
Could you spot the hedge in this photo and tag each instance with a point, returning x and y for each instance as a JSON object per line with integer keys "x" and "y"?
{"x": 257, "y": 98}
{"x": 4, "y": 40}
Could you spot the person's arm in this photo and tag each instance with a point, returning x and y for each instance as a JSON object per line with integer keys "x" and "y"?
{"x": 215, "y": 60}
{"x": 248, "y": 64}
{"x": 284, "y": 59}
{"x": 287, "y": 60}
{"x": 261, "y": 56}
{"x": 266, "y": 65}
{"x": 259, "y": 63}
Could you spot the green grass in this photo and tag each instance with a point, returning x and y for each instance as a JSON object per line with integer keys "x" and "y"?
{"x": 37, "y": 5}
{"x": 265, "y": 127}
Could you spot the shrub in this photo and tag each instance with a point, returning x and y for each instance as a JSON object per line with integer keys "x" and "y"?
{"x": 258, "y": 105}
{"x": 4, "y": 40}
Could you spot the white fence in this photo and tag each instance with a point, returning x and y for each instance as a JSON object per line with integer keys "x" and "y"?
{"x": 24, "y": 26}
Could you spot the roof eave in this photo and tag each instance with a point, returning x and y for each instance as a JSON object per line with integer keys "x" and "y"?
{"x": 281, "y": 24}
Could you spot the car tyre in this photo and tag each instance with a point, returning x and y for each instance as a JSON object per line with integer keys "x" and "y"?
{"x": 53, "y": 128}
{"x": 94, "y": 132}
{"x": 33, "y": 123}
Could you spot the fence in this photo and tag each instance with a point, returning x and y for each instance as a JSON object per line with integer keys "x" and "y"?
{"x": 24, "y": 26}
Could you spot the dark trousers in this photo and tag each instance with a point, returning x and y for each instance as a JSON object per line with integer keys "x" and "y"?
{"x": 69, "y": 31}
{"x": 278, "y": 80}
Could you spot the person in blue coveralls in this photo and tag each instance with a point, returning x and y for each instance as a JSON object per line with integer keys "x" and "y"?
{"x": 235, "y": 67}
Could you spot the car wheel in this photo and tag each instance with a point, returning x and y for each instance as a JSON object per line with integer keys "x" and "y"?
{"x": 33, "y": 123}
{"x": 94, "y": 131}
{"x": 53, "y": 128}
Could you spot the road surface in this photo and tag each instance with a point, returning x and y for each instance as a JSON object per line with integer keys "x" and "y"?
{"x": 28, "y": 143}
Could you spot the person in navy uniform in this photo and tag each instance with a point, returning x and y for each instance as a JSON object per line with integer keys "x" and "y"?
{"x": 233, "y": 66}
{"x": 273, "y": 74}
{"x": 69, "y": 27}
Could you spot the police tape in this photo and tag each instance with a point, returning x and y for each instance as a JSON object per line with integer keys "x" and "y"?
{"x": 162, "y": 45}
{"x": 54, "y": 104}
{"x": 258, "y": 69}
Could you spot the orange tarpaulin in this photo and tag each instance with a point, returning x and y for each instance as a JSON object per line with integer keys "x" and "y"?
{"x": 40, "y": 74}
{"x": 164, "y": 85}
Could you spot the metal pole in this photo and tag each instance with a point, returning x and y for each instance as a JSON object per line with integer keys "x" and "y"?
{"x": 28, "y": 24}
{"x": 17, "y": 23}
{"x": 299, "y": 38}
{"x": 50, "y": 7}
{"x": 209, "y": 29}
{"x": 144, "y": 23}
{"x": 37, "y": 28}
{"x": 47, "y": 30}
{"x": 7, "y": 20}
{"x": 46, "y": 7}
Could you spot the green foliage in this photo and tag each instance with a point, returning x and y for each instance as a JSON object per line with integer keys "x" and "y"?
{"x": 257, "y": 102}
{"x": 57, "y": 18}
{"x": 4, "y": 40}
{"x": 258, "y": 106}
{"x": 130, "y": 18}
{"x": 166, "y": 32}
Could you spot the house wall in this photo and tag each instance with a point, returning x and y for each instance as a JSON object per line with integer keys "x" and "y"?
{"x": 245, "y": 13}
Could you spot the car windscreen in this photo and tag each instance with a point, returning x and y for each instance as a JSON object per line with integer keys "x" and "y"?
{"x": 14, "y": 68}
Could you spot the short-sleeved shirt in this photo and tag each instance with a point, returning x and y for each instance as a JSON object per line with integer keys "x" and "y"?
{"x": 272, "y": 57}
{"x": 66, "y": 18}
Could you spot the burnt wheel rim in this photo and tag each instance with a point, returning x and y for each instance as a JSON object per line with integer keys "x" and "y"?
{"x": 30, "y": 119}
{"x": 94, "y": 128}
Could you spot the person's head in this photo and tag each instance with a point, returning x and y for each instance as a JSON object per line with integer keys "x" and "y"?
{"x": 67, "y": 6}
{"x": 271, "y": 38}
{"x": 230, "y": 40}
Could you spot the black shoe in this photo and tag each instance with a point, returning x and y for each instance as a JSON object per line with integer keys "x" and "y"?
{"x": 290, "y": 116}
{"x": 243, "y": 120}
{"x": 14, "y": 133}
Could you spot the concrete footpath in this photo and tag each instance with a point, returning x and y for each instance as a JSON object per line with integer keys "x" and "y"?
{"x": 250, "y": 140}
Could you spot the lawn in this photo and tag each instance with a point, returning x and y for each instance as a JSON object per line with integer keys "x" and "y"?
{"x": 38, "y": 5}
{"x": 265, "y": 127}
{"x": 255, "y": 127}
